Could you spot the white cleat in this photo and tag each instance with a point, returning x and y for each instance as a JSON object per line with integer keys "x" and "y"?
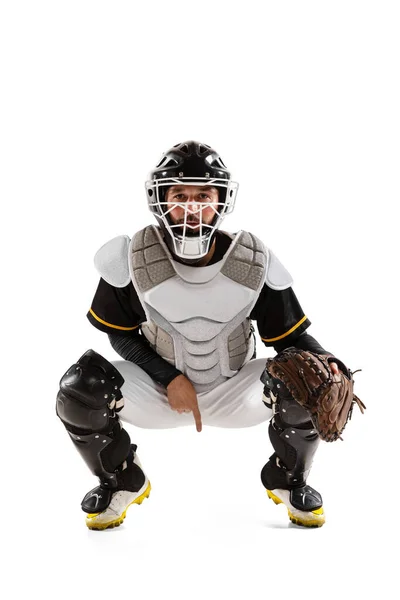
{"x": 121, "y": 500}
{"x": 310, "y": 518}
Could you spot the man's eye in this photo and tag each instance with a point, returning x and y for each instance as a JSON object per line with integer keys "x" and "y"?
{"x": 203, "y": 196}
{"x": 179, "y": 196}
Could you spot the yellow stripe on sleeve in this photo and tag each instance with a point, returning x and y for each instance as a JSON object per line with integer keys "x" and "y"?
{"x": 110, "y": 324}
{"x": 280, "y": 337}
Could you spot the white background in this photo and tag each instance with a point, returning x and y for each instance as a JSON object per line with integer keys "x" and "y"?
{"x": 302, "y": 100}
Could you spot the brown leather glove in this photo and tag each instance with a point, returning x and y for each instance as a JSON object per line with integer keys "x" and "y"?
{"x": 328, "y": 398}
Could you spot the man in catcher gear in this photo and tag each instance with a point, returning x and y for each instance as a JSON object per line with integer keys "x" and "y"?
{"x": 177, "y": 301}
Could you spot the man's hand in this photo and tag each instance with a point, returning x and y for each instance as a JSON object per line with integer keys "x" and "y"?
{"x": 182, "y": 397}
{"x": 334, "y": 368}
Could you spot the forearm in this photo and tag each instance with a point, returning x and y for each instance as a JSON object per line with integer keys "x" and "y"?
{"x": 137, "y": 350}
{"x": 307, "y": 342}
{"x": 303, "y": 342}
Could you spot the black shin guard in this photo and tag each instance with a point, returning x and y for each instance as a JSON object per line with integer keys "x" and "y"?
{"x": 293, "y": 438}
{"x": 87, "y": 404}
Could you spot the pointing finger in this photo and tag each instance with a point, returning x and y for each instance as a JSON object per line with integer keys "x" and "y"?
{"x": 197, "y": 418}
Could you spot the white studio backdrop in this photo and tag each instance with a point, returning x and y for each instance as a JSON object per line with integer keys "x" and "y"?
{"x": 301, "y": 100}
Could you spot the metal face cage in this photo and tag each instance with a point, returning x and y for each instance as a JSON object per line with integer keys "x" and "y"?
{"x": 188, "y": 243}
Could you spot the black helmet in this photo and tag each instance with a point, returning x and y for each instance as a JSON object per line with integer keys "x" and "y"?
{"x": 190, "y": 163}
{"x": 190, "y": 159}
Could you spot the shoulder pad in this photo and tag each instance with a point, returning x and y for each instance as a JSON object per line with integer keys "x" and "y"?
{"x": 277, "y": 277}
{"x": 111, "y": 261}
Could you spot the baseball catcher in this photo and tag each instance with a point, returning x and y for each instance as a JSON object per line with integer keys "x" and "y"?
{"x": 178, "y": 301}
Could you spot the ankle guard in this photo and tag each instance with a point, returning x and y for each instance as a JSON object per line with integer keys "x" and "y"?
{"x": 87, "y": 404}
{"x": 130, "y": 477}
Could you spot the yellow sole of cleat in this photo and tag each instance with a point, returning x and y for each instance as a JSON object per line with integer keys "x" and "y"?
{"x": 318, "y": 522}
{"x": 117, "y": 522}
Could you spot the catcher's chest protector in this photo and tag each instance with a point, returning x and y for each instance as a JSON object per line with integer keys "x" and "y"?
{"x": 197, "y": 317}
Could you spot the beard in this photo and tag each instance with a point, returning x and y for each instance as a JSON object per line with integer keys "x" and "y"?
{"x": 193, "y": 222}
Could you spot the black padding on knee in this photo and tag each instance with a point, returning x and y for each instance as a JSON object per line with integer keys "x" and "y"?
{"x": 116, "y": 452}
{"x": 93, "y": 381}
{"x": 290, "y": 412}
{"x": 79, "y": 418}
{"x": 293, "y": 414}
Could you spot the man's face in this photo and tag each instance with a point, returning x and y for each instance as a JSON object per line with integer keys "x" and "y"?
{"x": 193, "y": 197}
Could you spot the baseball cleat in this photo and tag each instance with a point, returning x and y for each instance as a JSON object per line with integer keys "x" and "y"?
{"x": 114, "y": 515}
{"x": 134, "y": 487}
{"x": 305, "y": 497}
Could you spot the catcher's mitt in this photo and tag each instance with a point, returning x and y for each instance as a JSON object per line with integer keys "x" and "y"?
{"x": 329, "y": 398}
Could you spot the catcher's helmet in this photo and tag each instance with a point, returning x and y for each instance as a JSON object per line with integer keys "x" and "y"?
{"x": 190, "y": 163}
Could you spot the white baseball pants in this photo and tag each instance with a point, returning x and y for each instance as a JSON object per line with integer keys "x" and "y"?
{"x": 235, "y": 403}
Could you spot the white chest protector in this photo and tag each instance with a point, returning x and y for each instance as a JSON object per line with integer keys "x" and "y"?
{"x": 197, "y": 317}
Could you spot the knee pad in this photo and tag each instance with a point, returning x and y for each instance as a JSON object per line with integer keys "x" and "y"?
{"x": 87, "y": 404}
{"x": 284, "y": 406}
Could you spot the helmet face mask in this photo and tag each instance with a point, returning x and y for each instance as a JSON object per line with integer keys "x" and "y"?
{"x": 190, "y": 164}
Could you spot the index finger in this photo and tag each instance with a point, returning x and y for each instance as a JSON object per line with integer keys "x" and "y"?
{"x": 197, "y": 417}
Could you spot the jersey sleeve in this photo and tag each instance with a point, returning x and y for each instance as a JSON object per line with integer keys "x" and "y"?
{"x": 279, "y": 316}
{"x": 116, "y": 310}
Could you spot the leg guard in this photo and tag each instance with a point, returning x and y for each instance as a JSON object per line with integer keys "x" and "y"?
{"x": 293, "y": 438}
{"x": 87, "y": 403}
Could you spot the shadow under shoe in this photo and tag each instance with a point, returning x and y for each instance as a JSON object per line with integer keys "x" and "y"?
{"x": 107, "y": 508}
